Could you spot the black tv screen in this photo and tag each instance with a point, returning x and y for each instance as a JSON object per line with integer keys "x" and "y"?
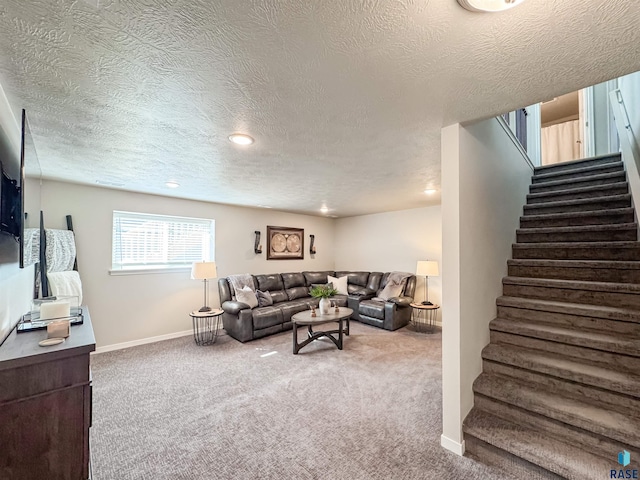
{"x": 11, "y": 183}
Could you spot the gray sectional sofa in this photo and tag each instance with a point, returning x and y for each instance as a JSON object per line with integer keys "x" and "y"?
{"x": 290, "y": 295}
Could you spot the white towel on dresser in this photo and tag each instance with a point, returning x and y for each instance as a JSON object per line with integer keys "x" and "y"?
{"x": 65, "y": 283}
{"x": 60, "y": 250}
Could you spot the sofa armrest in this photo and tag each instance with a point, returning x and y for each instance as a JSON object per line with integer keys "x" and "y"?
{"x": 363, "y": 293}
{"x": 402, "y": 301}
{"x": 233, "y": 308}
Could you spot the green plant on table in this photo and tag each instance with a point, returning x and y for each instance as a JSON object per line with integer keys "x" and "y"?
{"x": 323, "y": 291}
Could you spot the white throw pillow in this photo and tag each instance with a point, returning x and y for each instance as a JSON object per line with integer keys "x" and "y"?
{"x": 248, "y": 296}
{"x": 339, "y": 284}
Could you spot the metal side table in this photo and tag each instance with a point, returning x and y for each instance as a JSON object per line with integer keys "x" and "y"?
{"x": 423, "y": 317}
{"x": 206, "y": 326}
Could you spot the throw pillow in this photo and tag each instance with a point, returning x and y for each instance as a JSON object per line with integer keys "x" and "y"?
{"x": 264, "y": 298}
{"x": 248, "y": 296}
{"x": 390, "y": 290}
{"x": 340, "y": 284}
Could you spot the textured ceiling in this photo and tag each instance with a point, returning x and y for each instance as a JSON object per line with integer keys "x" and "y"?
{"x": 345, "y": 98}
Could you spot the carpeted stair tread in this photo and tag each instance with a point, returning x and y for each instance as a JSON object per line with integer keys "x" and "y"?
{"x": 579, "y": 229}
{"x": 589, "y": 203}
{"x": 573, "y": 411}
{"x": 590, "y": 270}
{"x": 592, "y": 191}
{"x": 582, "y": 162}
{"x": 569, "y": 183}
{"x": 574, "y": 285}
{"x": 598, "y": 340}
{"x": 541, "y": 177}
{"x": 589, "y": 217}
{"x": 622, "y": 250}
{"x": 564, "y": 459}
{"x": 580, "y": 309}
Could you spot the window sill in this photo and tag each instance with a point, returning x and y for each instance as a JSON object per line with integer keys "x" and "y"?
{"x": 148, "y": 271}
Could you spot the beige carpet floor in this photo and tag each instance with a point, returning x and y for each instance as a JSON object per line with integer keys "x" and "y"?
{"x": 173, "y": 410}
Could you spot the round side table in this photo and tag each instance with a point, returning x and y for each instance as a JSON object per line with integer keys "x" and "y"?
{"x": 206, "y": 326}
{"x": 423, "y": 317}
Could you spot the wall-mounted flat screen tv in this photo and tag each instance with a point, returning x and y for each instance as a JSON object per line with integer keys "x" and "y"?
{"x": 11, "y": 195}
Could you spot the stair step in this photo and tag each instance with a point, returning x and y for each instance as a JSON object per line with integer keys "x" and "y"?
{"x": 596, "y": 217}
{"x": 597, "y": 340}
{"x": 566, "y": 184}
{"x": 578, "y": 310}
{"x": 596, "y": 270}
{"x": 624, "y": 251}
{"x": 606, "y": 399}
{"x": 528, "y": 443}
{"x": 595, "y": 444}
{"x": 595, "y": 191}
{"x": 626, "y": 295}
{"x": 579, "y": 413}
{"x": 580, "y": 233}
{"x": 581, "y": 163}
{"x": 579, "y": 205}
{"x": 542, "y": 177}
{"x": 603, "y": 375}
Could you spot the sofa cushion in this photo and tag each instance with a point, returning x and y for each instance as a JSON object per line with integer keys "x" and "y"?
{"x": 291, "y": 308}
{"x": 291, "y": 280}
{"x": 264, "y": 298}
{"x": 248, "y": 296}
{"x": 340, "y": 300}
{"x": 297, "y": 292}
{"x": 264, "y": 317}
{"x": 279, "y": 296}
{"x": 269, "y": 282}
{"x": 355, "y": 278}
{"x": 316, "y": 277}
{"x": 372, "y": 308}
{"x": 340, "y": 284}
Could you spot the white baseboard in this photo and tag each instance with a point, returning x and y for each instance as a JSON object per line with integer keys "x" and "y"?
{"x": 452, "y": 445}
{"x": 142, "y": 341}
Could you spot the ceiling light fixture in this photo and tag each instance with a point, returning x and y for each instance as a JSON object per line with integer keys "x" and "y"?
{"x": 241, "y": 139}
{"x": 324, "y": 209}
{"x": 489, "y": 5}
{"x": 172, "y": 184}
{"x": 430, "y": 191}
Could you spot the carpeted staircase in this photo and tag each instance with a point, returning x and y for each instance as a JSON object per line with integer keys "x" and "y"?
{"x": 559, "y": 395}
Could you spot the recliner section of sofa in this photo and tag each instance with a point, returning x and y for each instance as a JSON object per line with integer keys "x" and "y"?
{"x": 290, "y": 295}
{"x": 392, "y": 314}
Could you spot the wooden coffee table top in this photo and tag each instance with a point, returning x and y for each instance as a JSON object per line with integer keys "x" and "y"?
{"x": 305, "y": 318}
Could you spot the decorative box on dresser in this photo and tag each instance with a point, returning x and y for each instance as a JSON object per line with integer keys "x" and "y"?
{"x": 45, "y": 405}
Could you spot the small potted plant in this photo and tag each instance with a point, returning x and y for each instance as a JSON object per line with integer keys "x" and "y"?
{"x": 323, "y": 292}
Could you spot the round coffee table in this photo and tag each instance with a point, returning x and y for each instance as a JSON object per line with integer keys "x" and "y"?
{"x": 305, "y": 319}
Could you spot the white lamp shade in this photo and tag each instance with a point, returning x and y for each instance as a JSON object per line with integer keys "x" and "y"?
{"x": 427, "y": 268}
{"x": 204, "y": 270}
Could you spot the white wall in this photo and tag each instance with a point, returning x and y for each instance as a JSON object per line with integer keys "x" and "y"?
{"x": 391, "y": 241}
{"x": 485, "y": 180}
{"x": 126, "y": 308}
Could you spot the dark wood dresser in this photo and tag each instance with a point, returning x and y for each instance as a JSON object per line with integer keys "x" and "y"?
{"x": 45, "y": 405}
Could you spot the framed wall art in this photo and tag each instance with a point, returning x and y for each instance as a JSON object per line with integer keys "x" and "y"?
{"x": 284, "y": 243}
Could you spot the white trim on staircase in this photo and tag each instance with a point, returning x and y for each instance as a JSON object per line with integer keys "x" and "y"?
{"x": 142, "y": 341}
{"x": 452, "y": 445}
{"x": 512, "y": 136}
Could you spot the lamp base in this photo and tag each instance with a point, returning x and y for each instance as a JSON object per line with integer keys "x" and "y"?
{"x": 427, "y": 302}
{"x": 205, "y": 309}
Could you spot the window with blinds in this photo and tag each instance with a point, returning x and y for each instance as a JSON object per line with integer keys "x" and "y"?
{"x": 144, "y": 241}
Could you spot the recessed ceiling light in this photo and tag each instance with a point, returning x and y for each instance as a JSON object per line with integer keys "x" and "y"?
{"x": 324, "y": 209}
{"x": 172, "y": 184}
{"x": 241, "y": 139}
{"x": 264, "y": 206}
{"x": 489, "y": 5}
{"x": 430, "y": 191}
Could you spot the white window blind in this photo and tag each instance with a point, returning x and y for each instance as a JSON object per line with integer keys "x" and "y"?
{"x": 145, "y": 241}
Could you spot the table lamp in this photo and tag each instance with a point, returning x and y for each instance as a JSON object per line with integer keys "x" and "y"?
{"x": 426, "y": 269}
{"x": 204, "y": 271}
